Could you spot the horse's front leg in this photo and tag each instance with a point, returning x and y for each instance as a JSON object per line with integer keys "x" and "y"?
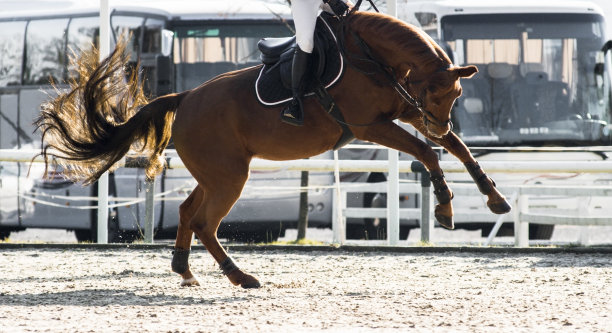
{"x": 393, "y": 136}
{"x": 496, "y": 201}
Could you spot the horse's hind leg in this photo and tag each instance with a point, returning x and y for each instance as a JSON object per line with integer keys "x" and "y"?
{"x": 184, "y": 235}
{"x": 220, "y": 194}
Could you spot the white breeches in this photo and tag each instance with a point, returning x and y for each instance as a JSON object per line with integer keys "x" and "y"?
{"x": 305, "y": 14}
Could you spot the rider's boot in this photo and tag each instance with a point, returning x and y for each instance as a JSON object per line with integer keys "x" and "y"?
{"x": 294, "y": 112}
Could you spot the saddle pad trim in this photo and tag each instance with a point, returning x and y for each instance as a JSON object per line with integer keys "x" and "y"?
{"x": 340, "y": 72}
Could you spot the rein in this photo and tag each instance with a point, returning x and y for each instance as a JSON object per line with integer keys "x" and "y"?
{"x": 386, "y": 70}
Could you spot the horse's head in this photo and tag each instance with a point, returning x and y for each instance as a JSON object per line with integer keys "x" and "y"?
{"x": 436, "y": 95}
{"x": 417, "y": 60}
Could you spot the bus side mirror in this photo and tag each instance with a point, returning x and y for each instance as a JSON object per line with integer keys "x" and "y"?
{"x": 167, "y": 39}
{"x": 600, "y": 67}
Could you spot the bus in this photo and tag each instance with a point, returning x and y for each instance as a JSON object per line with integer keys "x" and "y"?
{"x": 178, "y": 44}
{"x": 542, "y": 93}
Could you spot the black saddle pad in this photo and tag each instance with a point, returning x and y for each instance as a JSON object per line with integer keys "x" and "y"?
{"x": 273, "y": 84}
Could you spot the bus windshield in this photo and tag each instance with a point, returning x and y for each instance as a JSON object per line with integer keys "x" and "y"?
{"x": 536, "y": 82}
{"x": 204, "y": 51}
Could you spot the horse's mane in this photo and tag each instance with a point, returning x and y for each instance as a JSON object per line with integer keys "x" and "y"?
{"x": 424, "y": 52}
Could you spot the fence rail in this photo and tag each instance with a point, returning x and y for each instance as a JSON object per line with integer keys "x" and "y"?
{"x": 174, "y": 162}
{"x": 521, "y": 212}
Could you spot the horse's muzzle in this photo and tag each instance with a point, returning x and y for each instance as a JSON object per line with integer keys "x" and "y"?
{"x": 438, "y": 130}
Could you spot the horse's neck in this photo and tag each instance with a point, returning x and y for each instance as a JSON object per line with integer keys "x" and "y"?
{"x": 401, "y": 46}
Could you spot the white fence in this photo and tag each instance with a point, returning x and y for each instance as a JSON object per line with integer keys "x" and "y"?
{"x": 520, "y": 213}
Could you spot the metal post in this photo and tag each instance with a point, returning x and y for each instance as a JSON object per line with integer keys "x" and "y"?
{"x": 102, "y": 228}
{"x": 149, "y": 210}
{"x": 338, "y": 220}
{"x": 303, "y": 216}
{"x": 426, "y": 225}
{"x": 393, "y": 224}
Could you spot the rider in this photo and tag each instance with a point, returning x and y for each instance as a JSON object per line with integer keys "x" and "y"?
{"x": 305, "y": 14}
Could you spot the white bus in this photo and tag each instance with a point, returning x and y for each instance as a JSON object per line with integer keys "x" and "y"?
{"x": 179, "y": 44}
{"x": 537, "y": 95}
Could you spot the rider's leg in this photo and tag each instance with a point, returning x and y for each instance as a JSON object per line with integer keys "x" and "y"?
{"x": 305, "y": 18}
{"x": 294, "y": 112}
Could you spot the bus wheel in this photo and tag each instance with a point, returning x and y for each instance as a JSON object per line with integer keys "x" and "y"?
{"x": 404, "y": 232}
{"x": 83, "y": 235}
{"x": 114, "y": 235}
{"x": 251, "y": 232}
{"x": 541, "y": 231}
{"x": 4, "y": 234}
{"x": 375, "y": 228}
{"x": 355, "y": 231}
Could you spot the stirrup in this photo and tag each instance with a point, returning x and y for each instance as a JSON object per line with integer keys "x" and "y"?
{"x": 288, "y": 115}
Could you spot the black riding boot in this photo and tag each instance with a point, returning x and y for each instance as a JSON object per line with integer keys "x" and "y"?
{"x": 294, "y": 113}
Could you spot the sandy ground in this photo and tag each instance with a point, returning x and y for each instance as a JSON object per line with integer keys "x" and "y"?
{"x": 128, "y": 290}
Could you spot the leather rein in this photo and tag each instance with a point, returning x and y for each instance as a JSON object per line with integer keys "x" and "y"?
{"x": 387, "y": 71}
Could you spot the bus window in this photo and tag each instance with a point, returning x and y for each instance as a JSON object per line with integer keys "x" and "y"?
{"x": 151, "y": 41}
{"x": 535, "y": 84}
{"x": 11, "y": 52}
{"x": 428, "y": 22}
{"x": 128, "y": 26}
{"x": 202, "y": 52}
{"x": 83, "y": 33}
{"x": 45, "y": 51}
{"x": 232, "y": 43}
{"x": 484, "y": 51}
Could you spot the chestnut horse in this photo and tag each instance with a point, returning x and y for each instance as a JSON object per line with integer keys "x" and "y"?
{"x": 219, "y": 126}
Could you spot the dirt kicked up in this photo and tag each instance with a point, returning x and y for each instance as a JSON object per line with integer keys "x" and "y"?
{"x": 128, "y": 290}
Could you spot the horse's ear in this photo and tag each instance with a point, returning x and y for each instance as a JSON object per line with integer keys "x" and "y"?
{"x": 465, "y": 72}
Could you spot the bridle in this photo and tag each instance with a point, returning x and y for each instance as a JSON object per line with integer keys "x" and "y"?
{"x": 428, "y": 117}
{"x": 387, "y": 71}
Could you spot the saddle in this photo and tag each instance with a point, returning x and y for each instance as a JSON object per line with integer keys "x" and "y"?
{"x": 273, "y": 86}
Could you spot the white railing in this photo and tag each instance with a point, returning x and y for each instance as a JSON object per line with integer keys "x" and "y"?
{"x": 520, "y": 215}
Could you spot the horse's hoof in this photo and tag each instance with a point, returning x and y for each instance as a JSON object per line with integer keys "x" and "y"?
{"x": 250, "y": 283}
{"x": 500, "y": 207}
{"x": 445, "y": 221}
{"x": 444, "y": 215}
{"x": 246, "y": 281}
{"x": 191, "y": 282}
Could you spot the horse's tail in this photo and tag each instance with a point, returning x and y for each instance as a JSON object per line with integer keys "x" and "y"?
{"x": 93, "y": 125}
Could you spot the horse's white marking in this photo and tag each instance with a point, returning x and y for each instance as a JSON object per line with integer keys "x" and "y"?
{"x": 190, "y": 282}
